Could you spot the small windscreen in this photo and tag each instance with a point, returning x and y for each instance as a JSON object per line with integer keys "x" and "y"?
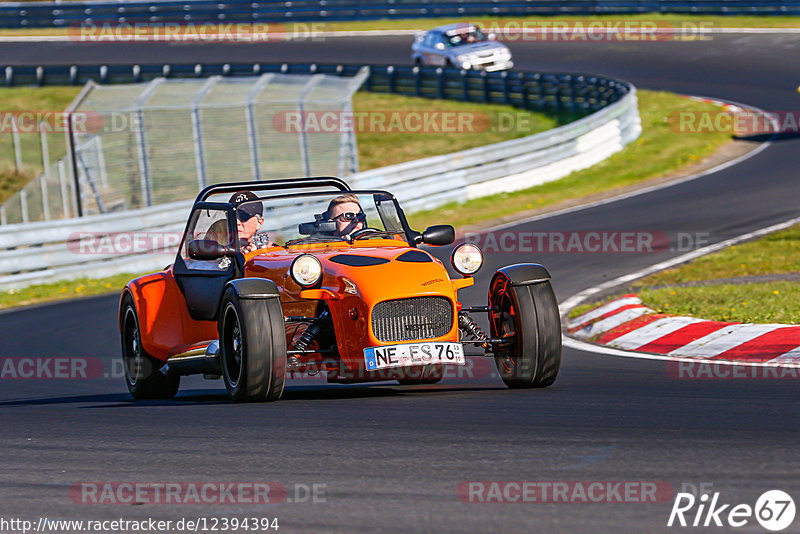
{"x": 320, "y": 217}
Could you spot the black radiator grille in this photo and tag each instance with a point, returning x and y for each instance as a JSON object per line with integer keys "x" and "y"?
{"x": 414, "y": 318}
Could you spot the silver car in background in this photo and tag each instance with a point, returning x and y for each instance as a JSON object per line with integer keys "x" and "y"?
{"x": 462, "y": 46}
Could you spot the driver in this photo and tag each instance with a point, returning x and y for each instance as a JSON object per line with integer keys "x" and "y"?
{"x": 248, "y": 221}
{"x": 346, "y": 212}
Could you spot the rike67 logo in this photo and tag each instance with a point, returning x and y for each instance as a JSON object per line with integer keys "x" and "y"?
{"x": 774, "y": 510}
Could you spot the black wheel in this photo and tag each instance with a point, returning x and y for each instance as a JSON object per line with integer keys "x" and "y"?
{"x": 526, "y": 315}
{"x": 252, "y": 348}
{"x": 142, "y": 371}
{"x": 428, "y": 374}
{"x": 418, "y": 61}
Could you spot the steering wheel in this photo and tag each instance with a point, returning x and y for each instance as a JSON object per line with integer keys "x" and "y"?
{"x": 364, "y": 231}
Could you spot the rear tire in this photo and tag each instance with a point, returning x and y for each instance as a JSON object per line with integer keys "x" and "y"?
{"x": 142, "y": 371}
{"x": 252, "y": 347}
{"x": 529, "y": 315}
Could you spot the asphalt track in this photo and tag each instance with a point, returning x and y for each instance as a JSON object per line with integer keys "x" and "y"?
{"x": 391, "y": 457}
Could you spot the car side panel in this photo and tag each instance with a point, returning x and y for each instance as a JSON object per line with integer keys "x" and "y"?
{"x": 164, "y": 321}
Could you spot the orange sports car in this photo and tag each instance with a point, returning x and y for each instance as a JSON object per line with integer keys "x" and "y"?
{"x": 308, "y": 275}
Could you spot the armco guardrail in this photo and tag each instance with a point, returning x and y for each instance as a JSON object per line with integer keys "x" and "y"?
{"x": 65, "y": 14}
{"x": 39, "y": 252}
{"x": 529, "y": 90}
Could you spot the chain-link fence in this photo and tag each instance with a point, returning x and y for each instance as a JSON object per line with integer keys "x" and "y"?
{"x": 140, "y": 145}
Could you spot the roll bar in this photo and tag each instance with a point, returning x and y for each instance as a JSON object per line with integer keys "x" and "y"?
{"x": 271, "y": 185}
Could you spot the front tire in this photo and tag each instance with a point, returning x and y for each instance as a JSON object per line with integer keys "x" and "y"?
{"x": 252, "y": 348}
{"x": 142, "y": 371}
{"x": 527, "y": 315}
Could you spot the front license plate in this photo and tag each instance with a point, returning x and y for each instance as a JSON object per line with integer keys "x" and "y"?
{"x": 413, "y": 354}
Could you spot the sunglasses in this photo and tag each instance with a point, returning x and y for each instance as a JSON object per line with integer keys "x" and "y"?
{"x": 350, "y": 216}
{"x": 244, "y": 216}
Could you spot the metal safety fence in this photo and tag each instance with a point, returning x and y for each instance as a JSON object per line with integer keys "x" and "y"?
{"x": 150, "y": 143}
{"x": 73, "y": 14}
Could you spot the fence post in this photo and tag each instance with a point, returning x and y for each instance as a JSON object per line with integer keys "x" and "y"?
{"x": 16, "y": 143}
{"x": 141, "y": 141}
{"x": 252, "y": 130}
{"x": 301, "y": 97}
{"x": 71, "y": 150}
{"x": 144, "y": 166}
{"x": 23, "y": 203}
{"x": 440, "y": 79}
{"x": 45, "y": 201}
{"x": 62, "y": 182}
{"x": 391, "y": 80}
{"x": 101, "y": 161}
{"x": 197, "y": 132}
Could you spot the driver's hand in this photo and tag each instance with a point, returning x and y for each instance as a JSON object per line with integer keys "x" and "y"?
{"x": 248, "y": 248}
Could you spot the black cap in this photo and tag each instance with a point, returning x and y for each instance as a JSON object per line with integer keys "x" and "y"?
{"x": 248, "y": 210}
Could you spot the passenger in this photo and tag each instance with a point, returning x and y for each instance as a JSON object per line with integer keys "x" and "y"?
{"x": 248, "y": 221}
{"x": 346, "y": 212}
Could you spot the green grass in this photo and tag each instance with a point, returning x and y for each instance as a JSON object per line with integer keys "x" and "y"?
{"x": 772, "y": 254}
{"x": 12, "y": 99}
{"x": 761, "y": 302}
{"x": 773, "y": 302}
{"x": 302, "y": 29}
{"x": 766, "y": 302}
{"x": 82, "y": 287}
{"x": 378, "y": 149}
{"x": 658, "y": 152}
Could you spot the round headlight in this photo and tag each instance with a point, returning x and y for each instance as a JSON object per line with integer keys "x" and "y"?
{"x": 467, "y": 259}
{"x": 306, "y": 270}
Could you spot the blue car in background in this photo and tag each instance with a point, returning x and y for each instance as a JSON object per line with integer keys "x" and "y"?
{"x": 462, "y": 46}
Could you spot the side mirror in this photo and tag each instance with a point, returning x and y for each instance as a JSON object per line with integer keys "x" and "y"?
{"x": 207, "y": 249}
{"x": 492, "y": 37}
{"x": 438, "y": 235}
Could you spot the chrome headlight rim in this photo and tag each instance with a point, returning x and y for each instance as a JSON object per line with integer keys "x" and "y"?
{"x": 461, "y": 249}
{"x": 297, "y": 264}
